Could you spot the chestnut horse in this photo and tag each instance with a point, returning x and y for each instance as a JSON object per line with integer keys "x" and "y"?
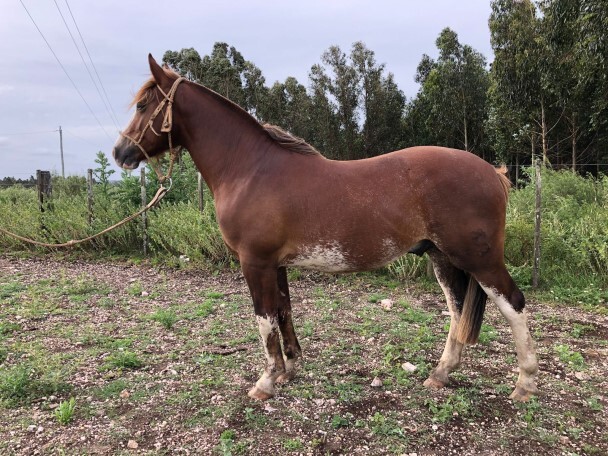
{"x": 280, "y": 203}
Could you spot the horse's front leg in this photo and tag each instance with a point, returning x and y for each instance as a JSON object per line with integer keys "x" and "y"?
{"x": 262, "y": 281}
{"x": 291, "y": 345}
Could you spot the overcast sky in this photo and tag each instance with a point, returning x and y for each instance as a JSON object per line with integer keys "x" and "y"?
{"x": 282, "y": 38}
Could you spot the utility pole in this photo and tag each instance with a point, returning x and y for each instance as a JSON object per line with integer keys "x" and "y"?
{"x": 61, "y": 149}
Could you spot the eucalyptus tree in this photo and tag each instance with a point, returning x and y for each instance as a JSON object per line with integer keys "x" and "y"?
{"x": 224, "y": 70}
{"x": 451, "y": 105}
{"x": 288, "y": 105}
{"x": 519, "y": 69}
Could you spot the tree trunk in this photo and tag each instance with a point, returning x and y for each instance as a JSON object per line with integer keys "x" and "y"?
{"x": 544, "y": 132}
{"x": 574, "y": 132}
{"x": 516, "y": 170}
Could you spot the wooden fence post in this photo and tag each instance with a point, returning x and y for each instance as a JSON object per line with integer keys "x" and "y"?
{"x": 201, "y": 199}
{"x": 43, "y": 184}
{"x": 90, "y": 196}
{"x": 144, "y": 216}
{"x": 537, "y": 220}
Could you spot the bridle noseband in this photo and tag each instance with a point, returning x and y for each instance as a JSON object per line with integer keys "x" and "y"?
{"x": 165, "y": 127}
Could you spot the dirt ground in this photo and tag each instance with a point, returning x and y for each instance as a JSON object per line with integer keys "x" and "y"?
{"x": 159, "y": 361}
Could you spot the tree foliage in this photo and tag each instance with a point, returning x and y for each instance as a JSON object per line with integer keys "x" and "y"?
{"x": 545, "y": 93}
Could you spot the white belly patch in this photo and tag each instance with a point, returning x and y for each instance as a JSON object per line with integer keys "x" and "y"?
{"x": 328, "y": 257}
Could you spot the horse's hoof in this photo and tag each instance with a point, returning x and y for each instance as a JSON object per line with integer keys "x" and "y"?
{"x": 259, "y": 395}
{"x": 520, "y": 394}
{"x": 286, "y": 377}
{"x": 432, "y": 382}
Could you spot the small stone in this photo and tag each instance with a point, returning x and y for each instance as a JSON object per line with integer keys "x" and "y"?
{"x": 564, "y": 440}
{"x": 31, "y": 428}
{"x": 124, "y": 394}
{"x": 132, "y": 444}
{"x": 376, "y": 382}
{"x": 319, "y": 402}
{"x": 409, "y": 367}
{"x": 434, "y": 427}
{"x": 331, "y": 402}
{"x": 386, "y": 304}
{"x": 581, "y": 375}
{"x": 145, "y": 293}
{"x": 40, "y": 430}
{"x": 268, "y": 408}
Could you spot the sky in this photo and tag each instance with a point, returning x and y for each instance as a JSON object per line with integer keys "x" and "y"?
{"x": 283, "y": 38}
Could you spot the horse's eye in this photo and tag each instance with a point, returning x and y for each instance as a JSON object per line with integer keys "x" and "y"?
{"x": 141, "y": 106}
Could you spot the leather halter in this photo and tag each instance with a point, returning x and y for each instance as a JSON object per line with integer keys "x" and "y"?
{"x": 166, "y": 127}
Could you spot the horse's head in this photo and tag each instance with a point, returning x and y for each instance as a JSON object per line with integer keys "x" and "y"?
{"x": 148, "y": 134}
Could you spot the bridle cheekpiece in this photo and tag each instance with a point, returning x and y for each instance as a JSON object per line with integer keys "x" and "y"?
{"x": 166, "y": 127}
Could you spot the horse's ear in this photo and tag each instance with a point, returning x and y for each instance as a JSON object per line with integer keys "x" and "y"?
{"x": 157, "y": 72}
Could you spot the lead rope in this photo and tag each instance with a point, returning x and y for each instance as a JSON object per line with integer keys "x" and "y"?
{"x": 166, "y": 127}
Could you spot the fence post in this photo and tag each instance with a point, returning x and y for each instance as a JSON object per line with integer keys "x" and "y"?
{"x": 144, "y": 216}
{"x": 537, "y": 220}
{"x": 90, "y": 196}
{"x": 201, "y": 199}
{"x": 43, "y": 184}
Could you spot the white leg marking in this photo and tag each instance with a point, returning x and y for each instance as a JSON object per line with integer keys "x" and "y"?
{"x": 267, "y": 326}
{"x": 450, "y": 359}
{"x": 524, "y": 345}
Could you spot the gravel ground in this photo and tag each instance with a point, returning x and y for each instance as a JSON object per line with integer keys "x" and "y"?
{"x": 159, "y": 361}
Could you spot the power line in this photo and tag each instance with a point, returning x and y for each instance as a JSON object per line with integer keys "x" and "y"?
{"x": 85, "y": 63}
{"x": 24, "y": 133}
{"x": 63, "y": 68}
{"x": 93, "y": 65}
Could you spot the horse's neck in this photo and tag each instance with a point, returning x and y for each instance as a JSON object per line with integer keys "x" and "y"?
{"x": 224, "y": 144}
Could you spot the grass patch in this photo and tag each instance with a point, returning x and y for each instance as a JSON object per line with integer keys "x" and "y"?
{"x": 166, "y": 317}
{"x": 123, "y": 359}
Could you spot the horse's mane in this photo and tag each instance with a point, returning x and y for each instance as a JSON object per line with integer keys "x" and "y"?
{"x": 277, "y": 134}
{"x": 289, "y": 141}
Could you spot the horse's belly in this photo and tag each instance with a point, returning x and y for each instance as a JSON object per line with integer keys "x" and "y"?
{"x": 334, "y": 257}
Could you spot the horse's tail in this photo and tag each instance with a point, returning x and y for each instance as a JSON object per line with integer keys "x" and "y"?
{"x": 473, "y": 308}
{"x": 504, "y": 180}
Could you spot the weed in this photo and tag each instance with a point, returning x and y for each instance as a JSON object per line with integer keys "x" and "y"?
{"x": 594, "y": 404}
{"x": 135, "y": 289}
{"x": 579, "y": 330}
{"x": 111, "y": 390}
{"x": 255, "y": 420}
{"x": 293, "y": 445}
{"x": 294, "y": 275}
{"x": 7, "y": 328}
{"x": 65, "y": 411}
{"x": 459, "y": 404}
{"x": 307, "y": 329}
{"x": 205, "y": 309}
{"x": 165, "y": 317}
{"x": 227, "y": 441}
{"x": 346, "y": 391}
{"x": 571, "y": 358}
{"x": 487, "y": 334}
{"x": 530, "y": 411}
{"x": 376, "y": 297}
{"x": 381, "y": 425}
{"x": 8, "y": 290}
{"x": 214, "y": 295}
{"x": 123, "y": 359}
{"x": 338, "y": 421}
{"x": 24, "y": 382}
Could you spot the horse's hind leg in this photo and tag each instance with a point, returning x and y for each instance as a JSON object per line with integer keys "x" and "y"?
{"x": 511, "y": 302}
{"x": 453, "y": 283}
{"x": 291, "y": 347}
